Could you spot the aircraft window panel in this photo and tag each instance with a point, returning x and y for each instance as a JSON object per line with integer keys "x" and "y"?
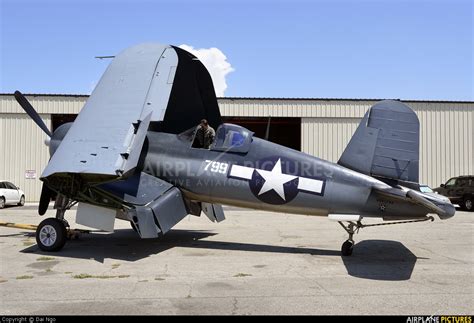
{"x": 232, "y": 138}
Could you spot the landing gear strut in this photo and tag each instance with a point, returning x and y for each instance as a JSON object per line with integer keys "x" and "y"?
{"x": 52, "y": 233}
{"x": 351, "y": 228}
{"x": 354, "y": 227}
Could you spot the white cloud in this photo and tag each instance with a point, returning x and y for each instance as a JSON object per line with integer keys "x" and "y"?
{"x": 215, "y": 62}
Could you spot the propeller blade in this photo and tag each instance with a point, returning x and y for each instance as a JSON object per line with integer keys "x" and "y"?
{"x": 20, "y": 98}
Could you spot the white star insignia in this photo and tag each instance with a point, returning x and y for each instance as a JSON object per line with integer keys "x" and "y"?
{"x": 274, "y": 180}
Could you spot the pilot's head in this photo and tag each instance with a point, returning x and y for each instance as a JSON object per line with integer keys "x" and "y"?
{"x": 204, "y": 123}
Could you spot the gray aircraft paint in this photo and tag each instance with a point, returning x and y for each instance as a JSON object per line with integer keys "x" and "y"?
{"x": 140, "y": 79}
{"x": 127, "y": 152}
{"x": 346, "y": 191}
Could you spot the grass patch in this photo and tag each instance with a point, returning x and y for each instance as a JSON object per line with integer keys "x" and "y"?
{"x": 48, "y": 270}
{"x": 82, "y": 276}
{"x": 24, "y": 277}
{"x": 45, "y": 258}
{"x": 68, "y": 272}
{"x": 114, "y": 266}
{"x": 28, "y": 242}
{"x": 242, "y": 275}
{"x": 159, "y": 278}
{"x": 86, "y": 276}
{"x": 3, "y": 281}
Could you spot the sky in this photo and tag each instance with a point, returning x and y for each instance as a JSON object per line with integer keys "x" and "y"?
{"x": 385, "y": 49}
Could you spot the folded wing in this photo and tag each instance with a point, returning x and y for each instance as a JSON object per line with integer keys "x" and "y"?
{"x": 146, "y": 87}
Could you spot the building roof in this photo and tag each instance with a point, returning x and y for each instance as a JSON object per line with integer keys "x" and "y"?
{"x": 261, "y": 98}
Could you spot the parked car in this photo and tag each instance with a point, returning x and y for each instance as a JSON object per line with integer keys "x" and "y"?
{"x": 10, "y": 195}
{"x": 459, "y": 190}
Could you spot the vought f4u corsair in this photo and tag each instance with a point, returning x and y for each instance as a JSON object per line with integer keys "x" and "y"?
{"x": 130, "y": 154}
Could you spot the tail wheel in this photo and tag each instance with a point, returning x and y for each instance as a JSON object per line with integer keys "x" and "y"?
{"x": 468, "y": 204}
{"x": 22, "y": 201}
{"x": 347, "y": 247}
{"x": 51, "y": 235}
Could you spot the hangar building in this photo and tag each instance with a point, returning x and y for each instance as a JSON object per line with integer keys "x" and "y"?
{"x": 320, "y": 127}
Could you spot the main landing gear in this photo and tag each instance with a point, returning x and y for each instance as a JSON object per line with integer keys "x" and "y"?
{"x": 52, "y": 233}
{"x": 353, "y": 227}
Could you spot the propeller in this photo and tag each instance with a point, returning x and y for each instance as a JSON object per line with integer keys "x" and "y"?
{"x": 53, "y": 142}
{"x": 20, "y": 98}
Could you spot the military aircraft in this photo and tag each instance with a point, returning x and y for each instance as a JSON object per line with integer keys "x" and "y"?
{"x": 131, "y": 155}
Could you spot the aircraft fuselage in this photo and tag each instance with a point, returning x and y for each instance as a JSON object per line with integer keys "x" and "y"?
{"x": 268, "y": 177}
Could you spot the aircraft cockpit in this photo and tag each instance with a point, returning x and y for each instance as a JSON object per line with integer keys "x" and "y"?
{"x": 232, "y": 138}
{"x": 229, "y": 138}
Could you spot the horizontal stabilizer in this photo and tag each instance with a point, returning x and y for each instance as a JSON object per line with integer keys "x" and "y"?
{"x": 443, "y": 208}
{"x": 386, "y": 143}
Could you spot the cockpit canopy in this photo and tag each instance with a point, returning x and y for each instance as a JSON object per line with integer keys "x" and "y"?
{"x": 232, "y": 138}
{"x": 229, "y": 138}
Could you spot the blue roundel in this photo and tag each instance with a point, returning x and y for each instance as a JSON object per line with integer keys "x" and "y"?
{"x": 273, "y": 180}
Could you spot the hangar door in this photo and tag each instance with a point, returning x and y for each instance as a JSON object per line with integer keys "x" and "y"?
{"x": 283, "y": 131}
{"x": 59, "y": 119}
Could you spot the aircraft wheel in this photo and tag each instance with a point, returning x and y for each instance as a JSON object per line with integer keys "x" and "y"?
{"x": 346, "y": 249}
{"x": 51, "y": 235}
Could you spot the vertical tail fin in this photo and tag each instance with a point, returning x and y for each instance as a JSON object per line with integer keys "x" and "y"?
{"x": 386, "y": 143}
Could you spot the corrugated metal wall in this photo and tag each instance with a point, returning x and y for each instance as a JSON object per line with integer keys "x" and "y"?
{"x": 447, "y": 129}
{"x": 447, "y": 132}
{"x": 44, "y": 104}
{"x": 22, "y": 145}
{"x": 22, "y": 148}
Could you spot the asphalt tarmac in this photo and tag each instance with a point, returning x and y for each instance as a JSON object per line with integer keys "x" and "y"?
{"x": 252, "y": 263}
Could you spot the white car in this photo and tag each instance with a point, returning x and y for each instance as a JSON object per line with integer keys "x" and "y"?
{"x": 10, "y": 195}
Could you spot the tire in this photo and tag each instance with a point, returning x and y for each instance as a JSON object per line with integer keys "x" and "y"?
{"x": 468, "y": 204}
{"x": 2, "y": 202}
{"x": 51, "y": 235}
{"x": 22, "y": 201}
{"x": 346, "y": 249}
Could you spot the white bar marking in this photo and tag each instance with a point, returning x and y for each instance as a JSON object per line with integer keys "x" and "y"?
{"x": 241, "y": 172}
{"x": 310, "y": 185}
{"x": 344, "y": 217}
